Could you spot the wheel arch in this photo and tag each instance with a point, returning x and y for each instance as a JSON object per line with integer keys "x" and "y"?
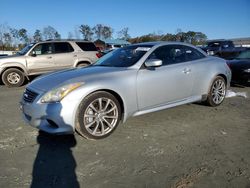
{"x": 14, "y": 67}
{"x": 223, "y": 76}
{"x": 117, "y": 96}
{"x": 82, "y": 62}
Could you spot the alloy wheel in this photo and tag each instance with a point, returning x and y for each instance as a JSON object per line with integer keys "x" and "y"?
{"x": 218, "y": 91}
{"x": 101, "y": 116}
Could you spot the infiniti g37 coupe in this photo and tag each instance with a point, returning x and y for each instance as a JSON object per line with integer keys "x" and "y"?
{"x": 129, "y": 81}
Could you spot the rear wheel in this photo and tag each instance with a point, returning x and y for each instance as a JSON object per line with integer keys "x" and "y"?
{"x": 217, "y": 92}
{"x": 98, "y": 116}
{"x": 13, "y": 77}
{"x": 80, "y": 65}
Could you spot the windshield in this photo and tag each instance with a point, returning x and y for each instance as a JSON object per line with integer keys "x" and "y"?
{"x": 244, "y": 55}
{"x": 26, "y": 49}
{"x": 123, "y": 57}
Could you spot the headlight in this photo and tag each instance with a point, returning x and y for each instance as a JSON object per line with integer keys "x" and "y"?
{"x": 247, "y": 70}
{"x": 210, "y": 52}
{"x": 58, "y": 94}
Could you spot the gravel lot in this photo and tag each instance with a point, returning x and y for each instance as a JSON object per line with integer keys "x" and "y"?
{"x": 187, "y": 146}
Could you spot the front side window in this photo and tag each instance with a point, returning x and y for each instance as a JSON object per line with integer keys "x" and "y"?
{"x": 173, "y": 54}
{"x": 43, "y": 49}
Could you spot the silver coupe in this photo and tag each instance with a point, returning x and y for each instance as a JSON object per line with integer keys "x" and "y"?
{"x": 129, "y": 81}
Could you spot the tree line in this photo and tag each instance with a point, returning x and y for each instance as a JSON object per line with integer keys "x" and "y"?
{"x": 15, "y": 39}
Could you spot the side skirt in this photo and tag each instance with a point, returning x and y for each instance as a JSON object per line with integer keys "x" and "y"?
{"x": 169, "y": 105}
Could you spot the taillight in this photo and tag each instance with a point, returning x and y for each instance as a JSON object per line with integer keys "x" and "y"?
{"x": 98, "y": 55}
{"x": 229, "y": 66}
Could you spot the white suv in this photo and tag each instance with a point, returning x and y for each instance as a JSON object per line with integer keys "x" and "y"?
{"x": 47, "y": 56}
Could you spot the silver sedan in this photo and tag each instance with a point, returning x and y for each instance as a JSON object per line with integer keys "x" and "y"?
{"x": 130, "y": 81}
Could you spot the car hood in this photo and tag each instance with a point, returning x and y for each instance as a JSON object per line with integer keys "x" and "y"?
{"x": 57, "y": 79}
{"x": 9, "y": 58}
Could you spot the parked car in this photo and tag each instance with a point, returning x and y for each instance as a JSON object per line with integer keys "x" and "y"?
{"x": 129, "y": 81}
{"x": 104, "y": 52}
{"x": 240, "y": 68}
{"x": 222, "y": 48}
{"x": 43, "y": 57}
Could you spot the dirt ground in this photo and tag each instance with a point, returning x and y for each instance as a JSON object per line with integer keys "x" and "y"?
{"x": 187, "y": 146}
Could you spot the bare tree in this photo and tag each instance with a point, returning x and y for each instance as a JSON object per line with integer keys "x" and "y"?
{"x": 57, "y": 35}
{"x": 23, "y": 36}
{"x": 70, "y": 35}
{"x": 4, "y": 28}
{"x": 98, "y": 30}
{"x": 123, "y": 34}
{"x": 86, "y": 32}
{"x": 15, "y": 36}
{"x": 37, "y": 36}
{"x": 7, "y": 40}
{"x": 107, "y": 32}
{"x": 77, "y": 32}
{"x": 50, "y": 32}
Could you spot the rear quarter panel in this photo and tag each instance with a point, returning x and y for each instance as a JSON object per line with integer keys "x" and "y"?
{"x": 205, "y": 72}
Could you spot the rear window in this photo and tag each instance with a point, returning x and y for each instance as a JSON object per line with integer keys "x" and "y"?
{"x": 87, "y": 46}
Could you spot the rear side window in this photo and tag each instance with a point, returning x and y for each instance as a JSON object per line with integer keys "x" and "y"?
{"x": 63, "y": 47}
{"x": 192, "y": 54}
{"x": 87, "y": 46}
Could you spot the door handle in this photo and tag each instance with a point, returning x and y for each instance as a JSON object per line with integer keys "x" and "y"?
{"x": 186, "y": 71}
{"x": 49, "y": 57}
{"x": 75, "y": 56}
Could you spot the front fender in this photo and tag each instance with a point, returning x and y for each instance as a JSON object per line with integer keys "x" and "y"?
{"x": 20, "y": 66}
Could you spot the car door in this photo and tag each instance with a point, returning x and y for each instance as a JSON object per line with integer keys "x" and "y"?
{"x": 169, "y": 83}
{"x": 64, "y": 56}
{"x": 40, "y": 59}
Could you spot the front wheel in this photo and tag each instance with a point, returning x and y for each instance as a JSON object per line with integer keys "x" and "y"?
{"x": 13, "y": 77}
{"x": 98, "y": 116}
{"x": 217, "y": 92}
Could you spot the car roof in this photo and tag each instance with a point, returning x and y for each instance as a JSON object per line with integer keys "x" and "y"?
{"x": 156, "y": 43}
{"x": 65, "y": 40}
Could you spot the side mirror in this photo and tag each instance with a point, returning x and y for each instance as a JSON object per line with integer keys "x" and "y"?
{"x": 33, "y": 54}
{"x": 153, "y": 63}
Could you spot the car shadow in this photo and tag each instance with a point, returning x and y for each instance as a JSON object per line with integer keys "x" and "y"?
{"x": 54, "y": 165}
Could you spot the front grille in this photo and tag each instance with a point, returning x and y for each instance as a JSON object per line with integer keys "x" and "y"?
{"x": 29, "y": 96}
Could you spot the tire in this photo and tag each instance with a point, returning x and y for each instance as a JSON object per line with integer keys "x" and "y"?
{"x": 80, "y": 65}
{"x": 217, "y": 92}
{"x": 98, "y": 115}
{"x": 13, "y": 77}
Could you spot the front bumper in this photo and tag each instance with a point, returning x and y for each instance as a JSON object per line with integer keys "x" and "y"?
{"x": 46, "y": 118}
{"x": 1, "y": 70}
{"x": 53, "y": 118}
